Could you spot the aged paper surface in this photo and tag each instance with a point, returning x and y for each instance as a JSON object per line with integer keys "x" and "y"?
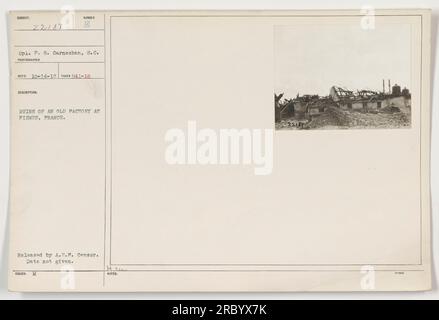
{"x": 220, "y": 151}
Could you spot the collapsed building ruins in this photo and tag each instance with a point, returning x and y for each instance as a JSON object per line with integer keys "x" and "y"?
{"x": 307, "y": 107}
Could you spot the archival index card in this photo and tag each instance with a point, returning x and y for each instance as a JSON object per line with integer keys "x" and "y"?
{"x": 220, "y": 151}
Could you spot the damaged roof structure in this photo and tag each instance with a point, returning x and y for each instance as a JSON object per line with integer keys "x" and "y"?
{"x": 308, "y": 106}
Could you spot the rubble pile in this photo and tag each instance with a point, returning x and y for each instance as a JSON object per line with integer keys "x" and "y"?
{"x": 338, "y": 118}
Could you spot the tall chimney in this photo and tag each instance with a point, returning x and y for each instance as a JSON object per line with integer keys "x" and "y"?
{"x": 384, "y": 88}
{"x": 390, "y": 90}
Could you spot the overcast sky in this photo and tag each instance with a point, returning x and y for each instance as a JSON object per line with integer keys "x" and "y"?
{"x": 310, "y": 59}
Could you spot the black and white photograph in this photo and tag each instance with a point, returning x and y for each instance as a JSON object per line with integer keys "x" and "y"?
{"x": 141, "y": 158}
{"x": 342, "y": 77}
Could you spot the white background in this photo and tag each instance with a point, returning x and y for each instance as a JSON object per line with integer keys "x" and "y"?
{"x": 6, "y": 5}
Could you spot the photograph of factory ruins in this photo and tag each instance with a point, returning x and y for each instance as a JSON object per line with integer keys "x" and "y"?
{"x": 344, "y": 108}
{"x": 342, "y": 77}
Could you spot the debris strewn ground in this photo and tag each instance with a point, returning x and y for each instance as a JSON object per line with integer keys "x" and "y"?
{"x": 336, "y": 118}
